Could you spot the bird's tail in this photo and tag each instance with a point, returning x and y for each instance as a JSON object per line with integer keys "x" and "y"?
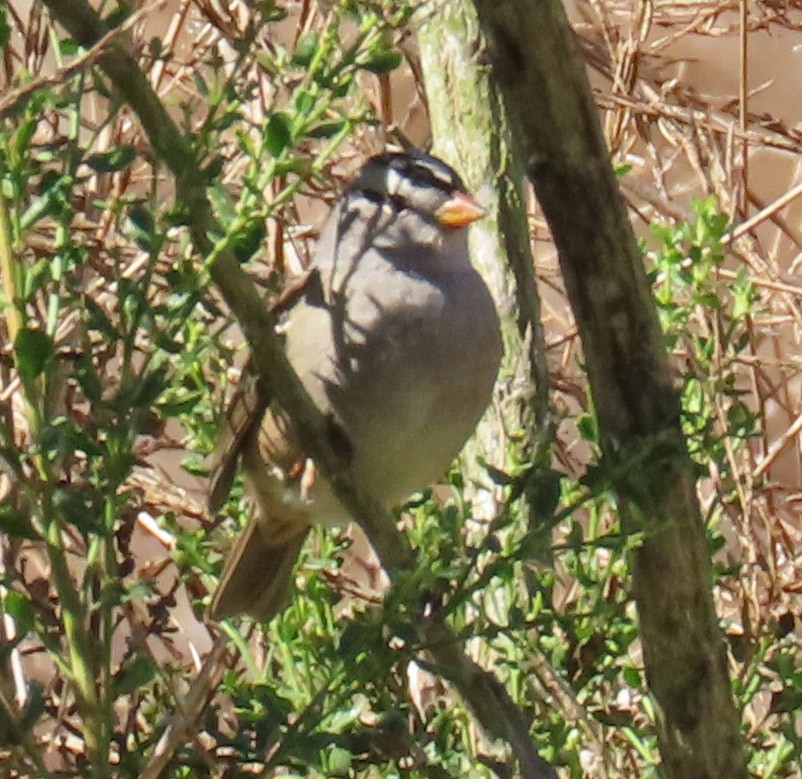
{"x": 257, "y": 576}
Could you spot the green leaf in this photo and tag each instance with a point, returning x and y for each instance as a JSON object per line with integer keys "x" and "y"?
{"x": 326, "y": 129}
{"x": 142, "y": 219}
{"x": 19, "y": 607}
{"x": 278, "y": 133}
{"x": 113, "y": 160}
{"x": 33, "y": 351}
{"x": 340, "y": 761}
{"x": 303, "y": 100}
{"x": 16, "y": 524}
{"x": 77, "y": 510}
{"x": 788, "y": 700}
{"x": 118, "y": 15}
{"x": 200, "y": 84}
{"x": 587, "y": 428}
{"x": 51, "y": 201}
{"x": 36, "y": 277}
{"x": 246, "y": 243}
{"x": 306, "y": 48}
{"x": 68, "y": 47}
{"x": 221, "y": 200}
{"x": 543, "y": 492}
{"x": 382, "y": 60}
{"x": 99, "y": 85}
{"x": 143, "y": 229}
{"x": 179, "y": 404}
{"x": 5, "y": 30}
{"x": 266, "y": 61}
{"x": 88, "y": 378}
{"x": 28, "y": 127}
{"x": 498, "y": 476}
{"x": 134, "y": 593}
{"x": 149, "y": 388}
{"x": 62, "y": 435}
{"x": 97, "y": 319}
{"x": 135, "y": 674}
{"x": 214, "y": 169}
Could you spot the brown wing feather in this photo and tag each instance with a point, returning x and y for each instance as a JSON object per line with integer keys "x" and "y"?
{"x": 244, "y": 414}
{"x": 247, "y": 410}
{"x": 300, "y": 286}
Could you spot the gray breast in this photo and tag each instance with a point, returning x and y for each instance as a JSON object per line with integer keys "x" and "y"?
{"x": 405, "y": 354}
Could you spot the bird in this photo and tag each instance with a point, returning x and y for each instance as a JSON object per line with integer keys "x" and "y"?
{"x": 395, "y": 336}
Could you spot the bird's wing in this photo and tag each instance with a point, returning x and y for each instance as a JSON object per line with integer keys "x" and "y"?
{"x": 249, "y": 410}
{"x": 306, "y": 285}
{"x": 243, "y": 415}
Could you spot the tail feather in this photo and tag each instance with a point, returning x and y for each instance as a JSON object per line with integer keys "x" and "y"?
{"x": 257, "y": 576}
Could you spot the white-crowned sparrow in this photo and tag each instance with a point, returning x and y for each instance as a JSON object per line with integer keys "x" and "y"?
{"x": 395, "y": 336}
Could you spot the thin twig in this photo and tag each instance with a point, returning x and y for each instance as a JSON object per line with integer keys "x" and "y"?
{"x": 184, "y": 722}
{"x": 14, "y": 100}
{"x": 743, "y": 100}
{"x": 761, "y": 216}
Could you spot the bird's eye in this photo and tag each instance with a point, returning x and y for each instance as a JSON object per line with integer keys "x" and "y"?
{"x": 423, "y": 175}
{"x": 430, "y": 179}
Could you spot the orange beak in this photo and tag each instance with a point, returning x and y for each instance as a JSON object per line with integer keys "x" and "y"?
{"x": 459, "y": 211}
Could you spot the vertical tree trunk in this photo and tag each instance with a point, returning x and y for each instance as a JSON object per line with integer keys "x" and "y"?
{"x": 470, "y": 131}
{"x": 555, "y": 123}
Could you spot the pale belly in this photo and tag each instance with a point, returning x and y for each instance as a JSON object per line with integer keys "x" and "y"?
{"x": 406, "y": 384}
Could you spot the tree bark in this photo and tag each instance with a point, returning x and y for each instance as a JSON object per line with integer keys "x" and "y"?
{"x": 470, "y": 131}
{"x": 555, "y": 123}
